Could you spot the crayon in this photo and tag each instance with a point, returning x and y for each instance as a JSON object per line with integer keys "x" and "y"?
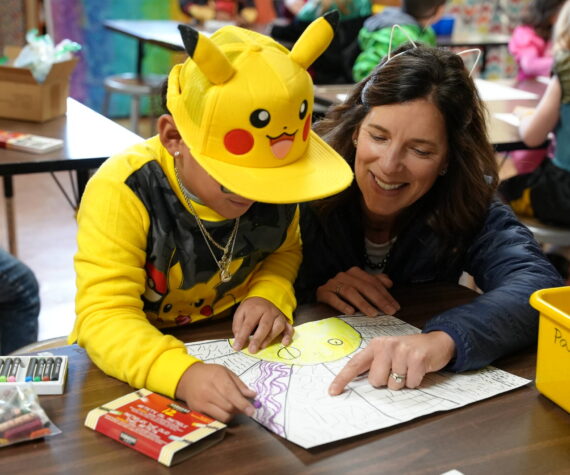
{"x": 14, "y": 370}
{"x": 23, "y": 430}
{"x": 16, "y": 421}
{"x": 7, "y": 367}
{"x": 46, "y": 375}
{"x": 2, "y": 363}
{"x": 31, "y": 369}
{"x": 39, "y": 370}
{"x": 56, "y": 369}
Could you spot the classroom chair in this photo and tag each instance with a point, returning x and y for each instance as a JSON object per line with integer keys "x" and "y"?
{"x": 148, "y": 85}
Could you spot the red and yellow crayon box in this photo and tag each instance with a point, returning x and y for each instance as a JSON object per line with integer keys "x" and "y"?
{"x": 156, "y": 426}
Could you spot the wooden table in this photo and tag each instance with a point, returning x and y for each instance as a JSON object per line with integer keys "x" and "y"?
{"x": 519, "y": 432}
{"x": 505, "y": 137}
{"x": 89, "y": 139}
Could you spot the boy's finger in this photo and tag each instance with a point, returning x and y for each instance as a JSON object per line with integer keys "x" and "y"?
{"x": 215, "y": 412}
{"x": 237, "y": 321}
{"x": 234, "y": 395}
{"x": 264, "y": 331}
{"x": 247, "y": 326}
{"x": 288, "y": 333}
{"x": 276, "y": 330}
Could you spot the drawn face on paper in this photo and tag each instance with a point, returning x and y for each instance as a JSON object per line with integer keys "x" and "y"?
{"x": 313, "y": 343}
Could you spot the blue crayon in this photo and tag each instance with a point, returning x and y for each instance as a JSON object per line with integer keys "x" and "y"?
{"x": 31, "y": 369}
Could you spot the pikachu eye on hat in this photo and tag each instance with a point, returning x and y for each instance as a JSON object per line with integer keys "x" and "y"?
{"x": 243, "y": 103}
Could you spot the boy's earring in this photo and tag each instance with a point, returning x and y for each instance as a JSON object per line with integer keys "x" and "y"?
{"x": 355, "y": 142}
{"x": 176, "y": 154}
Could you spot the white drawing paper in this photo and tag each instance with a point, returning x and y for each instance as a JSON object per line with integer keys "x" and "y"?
{"x": 292, "y": 382}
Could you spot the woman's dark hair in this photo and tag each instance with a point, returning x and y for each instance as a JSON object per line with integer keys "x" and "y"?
{"x": 539, "y": 13}
{"x": 457, "y": 203}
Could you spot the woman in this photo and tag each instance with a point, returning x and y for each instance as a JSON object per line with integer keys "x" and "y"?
{"x": 420, "y": 210}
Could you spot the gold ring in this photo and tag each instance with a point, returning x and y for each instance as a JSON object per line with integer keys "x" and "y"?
{"x": 399, "y": 378}
{"x": 338, "y": 289}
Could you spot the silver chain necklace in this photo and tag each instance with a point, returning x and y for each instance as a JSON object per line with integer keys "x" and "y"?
{"x": 227, "y": 250}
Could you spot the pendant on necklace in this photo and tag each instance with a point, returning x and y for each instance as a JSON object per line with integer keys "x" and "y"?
{"x": 225, "y": 275}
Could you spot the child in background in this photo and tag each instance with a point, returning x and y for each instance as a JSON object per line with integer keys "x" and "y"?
{"x": 545, "y": 193}
{"x": 241, "y": 11}
{"x": 530, "y": 43}
{"x": 531, "y": 47}
{"x": 177, "y": 229}
{"x": 347, "y": 9}
{"x": 414, "y": 18}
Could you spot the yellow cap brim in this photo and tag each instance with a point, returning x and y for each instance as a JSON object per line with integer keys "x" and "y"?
{"x": 320, "y": 173}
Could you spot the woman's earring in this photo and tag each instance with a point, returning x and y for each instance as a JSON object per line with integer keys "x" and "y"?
{"x": 443, "y": 171}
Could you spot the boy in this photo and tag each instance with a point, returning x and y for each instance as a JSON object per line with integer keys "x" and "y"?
{"x": 177, "y": 229}
{"x": 414, "y": 18}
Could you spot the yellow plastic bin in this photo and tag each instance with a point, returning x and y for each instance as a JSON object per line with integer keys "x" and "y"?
{"x": 553, "y": 354}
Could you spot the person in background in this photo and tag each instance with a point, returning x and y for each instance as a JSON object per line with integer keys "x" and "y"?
{"x": 414, "y": 18}
{"x": 347, "y": 9}
{"x": 545, "y": 193}
{"x": 241, "y": 11}
{"x": 19, "y": 304}
{"x": 422, "y": 209}
{"x": 191, "y": 223}
{"x": 530, "y": 45}
{"x": 334, "y": 66}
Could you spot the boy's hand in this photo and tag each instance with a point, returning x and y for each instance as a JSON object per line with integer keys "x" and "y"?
{"x": 214, "y": 390}
{"x": 270, "y": 322}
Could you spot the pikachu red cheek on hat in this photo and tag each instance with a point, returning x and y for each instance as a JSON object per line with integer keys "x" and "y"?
{"x": 242, "y": 103}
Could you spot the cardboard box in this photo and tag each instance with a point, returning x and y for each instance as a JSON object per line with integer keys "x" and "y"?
{"x": 553, "y": 353}
{"x": 23, "y": 98}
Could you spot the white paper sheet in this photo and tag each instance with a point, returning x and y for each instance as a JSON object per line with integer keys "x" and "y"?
{"x": 292, "y": 382}
{"x": 491, "y": 91}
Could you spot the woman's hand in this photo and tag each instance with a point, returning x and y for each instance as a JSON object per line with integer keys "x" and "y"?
{"x": 397, "y": 361}
{"x": 214, "y": 390}
{"x": 269, "y": 320}
{"x": 357, "y": 290}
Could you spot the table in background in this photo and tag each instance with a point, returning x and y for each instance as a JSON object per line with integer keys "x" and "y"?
{"x": 504, "y": 137}
{"x": 163, "y": 33}
{"x": 88, "y": 140}
{"x": 518, "y": 432}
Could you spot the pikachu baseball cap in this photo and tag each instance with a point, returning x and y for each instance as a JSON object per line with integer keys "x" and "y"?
{"x": 243, "y": 104}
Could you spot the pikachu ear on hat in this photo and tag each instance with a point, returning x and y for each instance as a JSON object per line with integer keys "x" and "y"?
{"x": 212, "y": 61}
{"x": 315, "y": 39}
